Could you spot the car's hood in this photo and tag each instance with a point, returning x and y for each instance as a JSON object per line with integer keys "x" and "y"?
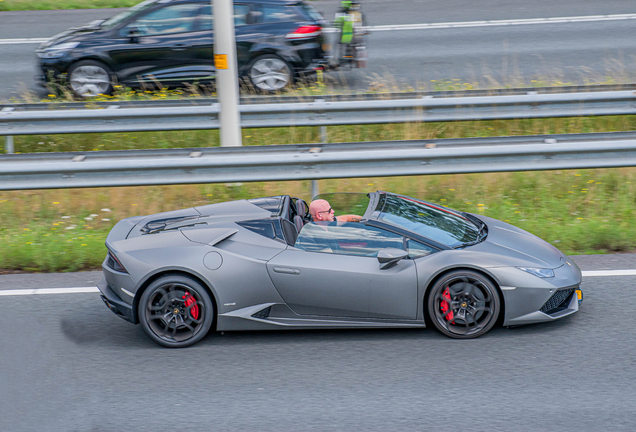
{"x": 519, "y": 247}
{"x": 71, "y": 33}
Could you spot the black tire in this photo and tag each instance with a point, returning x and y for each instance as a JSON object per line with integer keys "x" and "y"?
{"x": 269, "y": 73}
{"x": 90, "y": 78}
{"x": 176, "y": 311}
{"x": 463, "y": 304}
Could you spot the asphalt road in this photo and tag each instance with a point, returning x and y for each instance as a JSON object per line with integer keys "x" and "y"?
{"x": 69, "y": 364}
{"x": 568, "y": 52}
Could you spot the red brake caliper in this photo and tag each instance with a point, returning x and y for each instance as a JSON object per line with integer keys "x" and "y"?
{"x": 445, "y": 306}
{"x": 189, "y": 301}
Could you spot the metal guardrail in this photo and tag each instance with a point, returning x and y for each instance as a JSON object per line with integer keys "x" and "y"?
{"x": 319, "y": 113}
{"x": 342, "y": 97}
{"x": 315, "y": 161}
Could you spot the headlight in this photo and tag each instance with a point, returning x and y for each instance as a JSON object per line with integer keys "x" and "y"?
{"x": 538, "y": 272}
{"x": 57, "y": 50}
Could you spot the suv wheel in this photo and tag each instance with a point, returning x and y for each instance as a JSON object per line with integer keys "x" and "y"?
{"x": 269, "y": 73}
{"x": 89, "y": 78}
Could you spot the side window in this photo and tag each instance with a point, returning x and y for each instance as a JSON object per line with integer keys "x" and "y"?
{"x": 276, "y": 13}
{"x": 417, "y": 249}
{"x": 348, "y": 238}
{"x": 240, "y": 16}
{"x": 176, "y": 18}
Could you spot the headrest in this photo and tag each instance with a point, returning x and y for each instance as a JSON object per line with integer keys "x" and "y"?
{"x": 301, "y": 208}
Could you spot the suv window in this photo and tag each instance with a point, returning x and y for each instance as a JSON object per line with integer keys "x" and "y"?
{"x": 350, "y": 238}
{"x": 176, "y": 18}
{"x": 240, "y": 16}
{"x": 310, "y": 12}
{"x": 276, "y": 13}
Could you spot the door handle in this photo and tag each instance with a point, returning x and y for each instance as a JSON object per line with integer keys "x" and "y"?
{"x": 287, "y": 270}
{"x": 179, "y": 47}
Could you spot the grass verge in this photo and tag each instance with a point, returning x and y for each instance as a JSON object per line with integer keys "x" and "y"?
{"x": 586, "y": 211}
{"x": 22, "y": 5}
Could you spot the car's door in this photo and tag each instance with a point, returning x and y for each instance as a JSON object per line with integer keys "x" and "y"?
{"x": 165, "y": 47}
{"x": 333, "y": 271}
{"x": 244, "y": 36}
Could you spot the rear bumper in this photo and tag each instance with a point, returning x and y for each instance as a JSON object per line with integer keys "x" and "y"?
{"x": 114, "y": 303}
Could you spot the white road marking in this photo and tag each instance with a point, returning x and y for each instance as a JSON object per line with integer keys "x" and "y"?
{"x": 22, "y": 41}
{"x": 605, "y": 273}
{"x": 432, "y": 26}
{"x": 495, "y": 23}
{"x": 94, "y": 289}
{"x": 15, "y": 292}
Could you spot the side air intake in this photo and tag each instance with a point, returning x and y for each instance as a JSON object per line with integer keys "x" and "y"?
{"x": 263, "y": 313}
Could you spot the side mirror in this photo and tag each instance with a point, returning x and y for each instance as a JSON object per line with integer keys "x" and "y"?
{"x": 252, "y": 17}
{"x": 133, "y": 34}
{"x": 389, "y": 257}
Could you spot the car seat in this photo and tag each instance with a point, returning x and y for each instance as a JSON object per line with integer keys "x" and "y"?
{"x": 301, "y": 211}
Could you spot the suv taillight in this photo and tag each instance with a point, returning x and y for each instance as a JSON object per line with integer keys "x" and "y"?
{"x": 305, "y": 32}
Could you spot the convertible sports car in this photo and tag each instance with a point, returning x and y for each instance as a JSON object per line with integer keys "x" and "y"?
{"x": 262, "y": 264}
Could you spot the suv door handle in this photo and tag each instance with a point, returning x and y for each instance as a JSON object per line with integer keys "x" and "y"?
{"x": 179, "y": 47}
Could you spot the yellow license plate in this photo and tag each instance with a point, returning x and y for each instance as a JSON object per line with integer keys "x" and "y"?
{"x": 579, "y": 294}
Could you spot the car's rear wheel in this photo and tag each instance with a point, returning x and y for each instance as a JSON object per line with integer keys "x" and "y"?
{"x": 89, "y": 78}
{"x": 463, "y": 304}
{"x": 269, "y": 73}
{"x": 176, "y": 311}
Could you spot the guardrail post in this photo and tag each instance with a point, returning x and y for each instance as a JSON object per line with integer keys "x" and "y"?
{"x": 8, "y": 144}
{"x": 315, "y": 189}
{"x": 323, "y": 134}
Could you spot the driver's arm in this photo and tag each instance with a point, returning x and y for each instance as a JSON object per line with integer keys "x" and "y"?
{"x": 349, "y": 218}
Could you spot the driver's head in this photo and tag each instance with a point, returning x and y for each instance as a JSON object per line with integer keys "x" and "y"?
{"x": 320, "y": 210}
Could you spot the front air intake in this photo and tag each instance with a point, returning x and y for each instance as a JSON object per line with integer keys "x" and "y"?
{"x": 558, "y": 302}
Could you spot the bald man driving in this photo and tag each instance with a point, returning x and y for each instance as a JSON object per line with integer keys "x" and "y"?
{"x": 316, "y": 236}
{"x": 321, "y": 211}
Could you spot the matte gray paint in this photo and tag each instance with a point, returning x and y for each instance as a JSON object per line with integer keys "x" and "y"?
{"x": 315, "y": 290}
{"x": 345, "y": 286}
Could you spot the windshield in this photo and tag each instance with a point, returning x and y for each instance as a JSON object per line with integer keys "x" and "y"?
{"x": 115, "y": 20}
{"x": 434, "y": 222}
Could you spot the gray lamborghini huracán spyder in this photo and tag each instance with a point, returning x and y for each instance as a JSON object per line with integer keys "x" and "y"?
{"x": 262, "y": 264}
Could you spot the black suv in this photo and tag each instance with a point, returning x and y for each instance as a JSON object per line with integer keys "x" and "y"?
{"x": 170, "y": 42}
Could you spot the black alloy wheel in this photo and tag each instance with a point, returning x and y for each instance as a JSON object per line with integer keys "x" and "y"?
{"x": 464, "y": 304}
{"x": 176, "y": 311}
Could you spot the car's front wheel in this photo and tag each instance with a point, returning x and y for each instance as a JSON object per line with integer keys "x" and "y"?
{"x": 90, "y": 78}
{"x": 463, "y": 304}
{"x": 269, "y": 73}
{"x": 176, "y": 311}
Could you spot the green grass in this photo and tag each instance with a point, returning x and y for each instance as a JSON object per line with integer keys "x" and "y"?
{"x": 586, "y": 211}
{"x": 21, "y": 5}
